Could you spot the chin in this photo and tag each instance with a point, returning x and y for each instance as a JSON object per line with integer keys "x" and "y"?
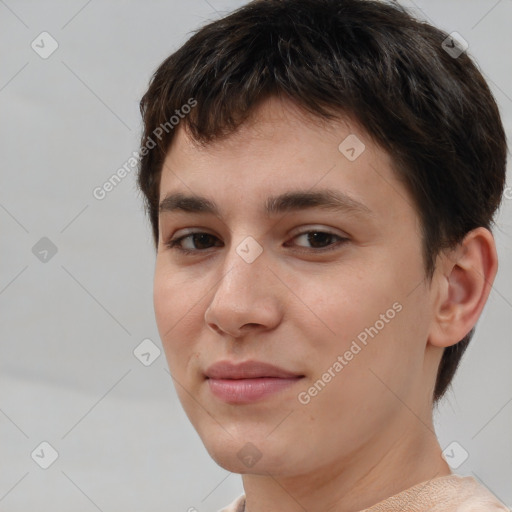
{"x": 246, "y": 457}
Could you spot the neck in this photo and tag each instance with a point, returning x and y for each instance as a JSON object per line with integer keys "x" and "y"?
{"x": 406, "y": 454}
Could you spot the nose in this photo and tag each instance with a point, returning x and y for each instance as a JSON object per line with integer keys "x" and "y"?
{"x": 247, "y": 297}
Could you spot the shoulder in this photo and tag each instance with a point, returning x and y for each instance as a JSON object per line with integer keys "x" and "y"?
{"x": 477, "y": 498}
{"x": 471, "y": 496}
{"x": 461, "y": 494}
{"x": 449, "y": 493}
{"x": 237, "y": 506}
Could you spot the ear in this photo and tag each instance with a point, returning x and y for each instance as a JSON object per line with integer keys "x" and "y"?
{"x": 461, "y": 287}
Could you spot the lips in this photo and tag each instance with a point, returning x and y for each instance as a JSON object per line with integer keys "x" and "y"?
{"x": 248, "y": 382}
{"x": 247, "y": 370}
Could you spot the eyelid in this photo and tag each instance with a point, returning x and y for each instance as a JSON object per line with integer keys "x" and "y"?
{"x": 318, "y": 227}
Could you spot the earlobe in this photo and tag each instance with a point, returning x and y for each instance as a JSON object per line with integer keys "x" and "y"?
{"x": 463, "y": 285}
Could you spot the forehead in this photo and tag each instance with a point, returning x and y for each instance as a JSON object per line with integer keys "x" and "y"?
{"x": 274, "y": 119}
{"x": 280, "y": 148}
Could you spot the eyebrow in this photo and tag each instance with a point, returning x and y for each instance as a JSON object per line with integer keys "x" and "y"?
{"x": 327, "y": 199}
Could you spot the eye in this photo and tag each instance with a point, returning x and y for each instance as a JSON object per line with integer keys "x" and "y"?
{"x": 321, "y": 241}
{"x": 195, "y": 238}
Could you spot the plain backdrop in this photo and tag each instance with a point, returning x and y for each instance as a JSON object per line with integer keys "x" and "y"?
{"x": 76, "y": 272}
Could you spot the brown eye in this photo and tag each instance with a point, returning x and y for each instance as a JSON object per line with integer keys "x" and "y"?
{"x": 321, "y": 240}
{"x": 199, "y": 241}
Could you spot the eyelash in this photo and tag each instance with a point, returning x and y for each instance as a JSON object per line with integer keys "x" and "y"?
{"x": 175, "y": 242}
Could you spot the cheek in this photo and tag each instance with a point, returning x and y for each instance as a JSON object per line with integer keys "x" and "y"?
{"x": 177, "y": 314}
{"x": 176, "y": 295}
{"x": 367, "y": 313}
{"x": 344, "y": 302}
{"x": 164, "y": 301}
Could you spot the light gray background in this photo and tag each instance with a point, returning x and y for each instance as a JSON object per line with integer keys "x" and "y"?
{"x": 69, "y": 325}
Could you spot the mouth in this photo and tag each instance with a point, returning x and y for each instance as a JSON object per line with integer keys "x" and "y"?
{"x": 248, "y": 382}
{"x": 240, "y": 391}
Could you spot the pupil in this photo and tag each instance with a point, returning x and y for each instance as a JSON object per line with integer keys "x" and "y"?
{"x": 202, "y": 237}
{"x": 316, "y": 237}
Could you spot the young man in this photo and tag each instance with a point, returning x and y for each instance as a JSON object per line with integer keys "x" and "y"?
{"x": 321, "y": 178}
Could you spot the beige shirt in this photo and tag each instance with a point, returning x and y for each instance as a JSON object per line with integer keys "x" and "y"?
{"x": 450, "y": 493}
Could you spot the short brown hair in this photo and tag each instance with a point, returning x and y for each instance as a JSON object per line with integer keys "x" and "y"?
{"x": 431, "y": 111}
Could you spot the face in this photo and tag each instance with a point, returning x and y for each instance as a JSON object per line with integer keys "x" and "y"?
{"x": 334, "y": 295}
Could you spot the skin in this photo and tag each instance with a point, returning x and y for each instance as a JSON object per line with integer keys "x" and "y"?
{"x": 369, "y": 433}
